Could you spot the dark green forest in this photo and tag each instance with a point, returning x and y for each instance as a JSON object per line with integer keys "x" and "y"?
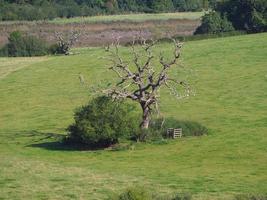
{"x": 49, "y": 9}
{"x": 229, "y": 15}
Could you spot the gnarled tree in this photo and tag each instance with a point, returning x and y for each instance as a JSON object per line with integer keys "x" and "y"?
{"x": 65, "y": 42}
{"x": 141, "y": 79}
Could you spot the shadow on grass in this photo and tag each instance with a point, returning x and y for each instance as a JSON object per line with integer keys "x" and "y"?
{"x": 55, "y": 142}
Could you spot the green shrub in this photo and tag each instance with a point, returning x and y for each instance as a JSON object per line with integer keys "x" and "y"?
{"x": 157, "y": 130}
{"x": 189, "y": 128}
{"x": 102, "y": 122}
{"x": 152, "y": 134}
{"x": 60, "y": 48}
{"x": 35, "y": 46}
{"x": 20, "y": 45}
{"x": 135, "y": 193}
{"x": 142, "y": 193}
{"x": 213, "y": 23}
{"x": 56, "y": 49}
{"x": 4, "y": 51}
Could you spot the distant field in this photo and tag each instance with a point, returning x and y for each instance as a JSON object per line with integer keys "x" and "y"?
{"x": 130, "y": 18}
{"x": 100, "y": 30}
{"x": 38, "y": 99}
{"x": 117, "y": 18}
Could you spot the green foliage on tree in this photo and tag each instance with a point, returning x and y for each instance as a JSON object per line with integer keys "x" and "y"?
{"x": 186, "y": 5}
{"x": 249, "y": 15}
{"x": 49, "y": 9}
{"x": 213, "y": 23}
{"x": 20, "y": 45}
{"x": 102, "y": 122}
{"x": 162, "y": 5}
{"x": 243, "y": 15}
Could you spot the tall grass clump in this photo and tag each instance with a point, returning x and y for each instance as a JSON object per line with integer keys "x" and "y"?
{"x": 189, "y": 128}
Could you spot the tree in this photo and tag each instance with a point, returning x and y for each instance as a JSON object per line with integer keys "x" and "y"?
{"x": 162, "y": 5}
{"x": 111, "y": 6}
{"x": 249, "y": 15}
{"x": 213, "y": 23}
{"x": 205, "y": 4}
{"x": 48, "y": 9}
{"x": 64, "y": 43}
{"x": 142, "y": 81}
{"x": 24, "y": 45}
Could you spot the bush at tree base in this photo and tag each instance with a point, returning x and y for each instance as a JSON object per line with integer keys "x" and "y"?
{"x": 189, "y": 128}
{"x": 158, "y": 129}
{"x": 102, "y": 122}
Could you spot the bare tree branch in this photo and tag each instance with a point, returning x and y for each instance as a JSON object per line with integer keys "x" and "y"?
{"x": 143, "y": 84}
{"x": 67, "y": 41}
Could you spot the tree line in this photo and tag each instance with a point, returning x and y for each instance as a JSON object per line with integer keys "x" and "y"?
{"x": 50, "y": 9}
{"x": 242, "y": 15}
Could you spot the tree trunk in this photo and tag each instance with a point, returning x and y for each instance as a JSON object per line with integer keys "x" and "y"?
{"x": 145, "y": 120}
{"x": 144, "y": 124}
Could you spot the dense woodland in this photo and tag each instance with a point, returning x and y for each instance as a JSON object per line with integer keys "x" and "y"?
{"x": 49, "y": 9}
{"x": 245, "y": 15}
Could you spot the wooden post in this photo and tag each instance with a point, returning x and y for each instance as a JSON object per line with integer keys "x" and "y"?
{"x": 170, "y": 132}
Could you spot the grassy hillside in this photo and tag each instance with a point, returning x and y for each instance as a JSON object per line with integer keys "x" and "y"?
{"x": 38, "y": 100}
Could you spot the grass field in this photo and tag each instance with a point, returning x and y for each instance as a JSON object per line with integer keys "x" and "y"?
{"x": 37, "y": 104}
{"x": 130, "y": 18}
{"x": 119, "y": 18}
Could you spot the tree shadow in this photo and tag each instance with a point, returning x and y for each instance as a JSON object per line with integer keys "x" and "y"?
{"x": 55, "y": 142}
{"x": 54, "y": 146}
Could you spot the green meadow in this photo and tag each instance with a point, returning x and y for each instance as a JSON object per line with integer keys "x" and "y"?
{"x": 38, "y": 98}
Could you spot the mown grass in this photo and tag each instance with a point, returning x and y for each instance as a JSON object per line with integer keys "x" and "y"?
{"x": 9, "y": 65}
{"x": 119, "y": 18}
{"x": 37, "y": 104}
